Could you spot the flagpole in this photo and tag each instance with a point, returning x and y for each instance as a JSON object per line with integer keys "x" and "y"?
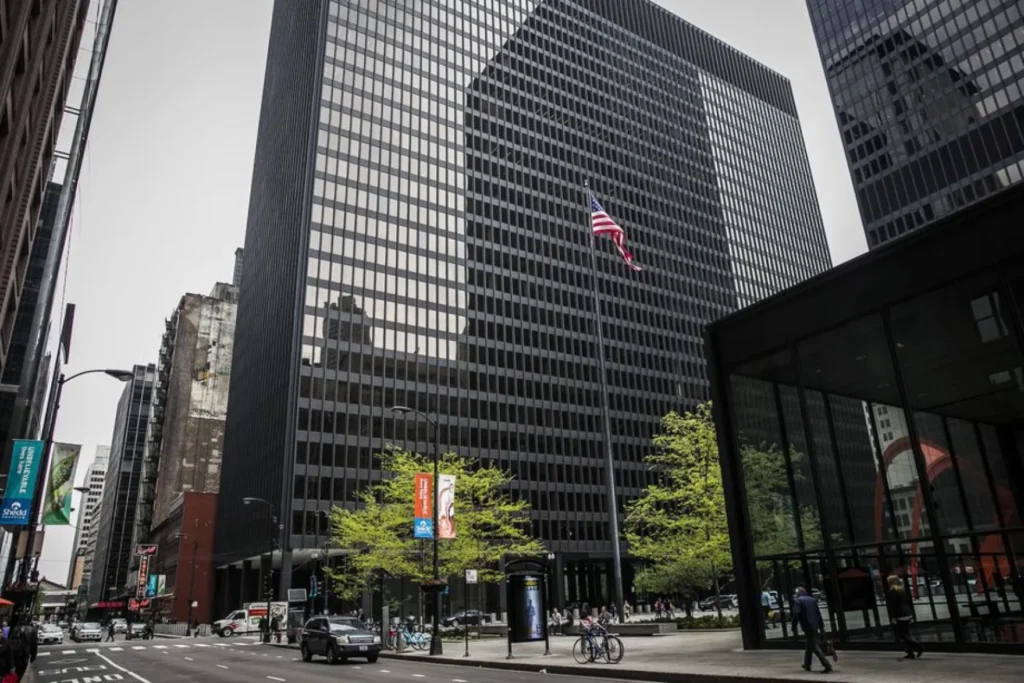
{"x": 618, "y": 597}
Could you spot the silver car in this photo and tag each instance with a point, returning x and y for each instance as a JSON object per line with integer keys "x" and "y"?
{"x": 50, "y": 634}
{"x": 90, "y": 630}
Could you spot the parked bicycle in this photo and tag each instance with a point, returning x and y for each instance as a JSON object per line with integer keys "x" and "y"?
{"x": 418, "y": 640}
{"x": 594, "y": 642}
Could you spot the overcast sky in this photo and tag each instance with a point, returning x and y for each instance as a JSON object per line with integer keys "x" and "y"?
{"x": 164, "y": 192}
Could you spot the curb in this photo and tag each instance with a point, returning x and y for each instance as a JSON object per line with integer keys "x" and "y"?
{"x": 610, "y": 671}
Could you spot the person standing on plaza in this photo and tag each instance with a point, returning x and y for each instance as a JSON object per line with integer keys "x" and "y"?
{"x": 808, "y": 616}
{"x": 901, "y": 613}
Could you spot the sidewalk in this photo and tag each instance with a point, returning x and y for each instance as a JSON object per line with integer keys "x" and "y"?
{"x": 717, "y": 657}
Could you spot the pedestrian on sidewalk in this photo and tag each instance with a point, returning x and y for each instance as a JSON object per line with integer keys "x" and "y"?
{"x": 808, "y": 616}
{"x": 901, "y": 614}
{"x": 627, "y": 610}
{"x": 195, "y": 627}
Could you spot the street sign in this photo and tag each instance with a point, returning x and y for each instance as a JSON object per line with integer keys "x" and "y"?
{"x": 471, "y": 576}
{"x": 296, "y": 595}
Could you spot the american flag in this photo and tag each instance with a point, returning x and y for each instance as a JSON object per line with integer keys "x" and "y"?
{"x": 602, "y": 224}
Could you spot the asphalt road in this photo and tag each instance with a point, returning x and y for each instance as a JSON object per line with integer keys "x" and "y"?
{"x": 235, "y": 660}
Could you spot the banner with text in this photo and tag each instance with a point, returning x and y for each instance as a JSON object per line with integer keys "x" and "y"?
{"x": 423, "y": 507}
{"x": 21, "y": 483}
{"x": 140, "y": 590}
{"x": 63, "y": 465}
{"x": 446, "y": 506}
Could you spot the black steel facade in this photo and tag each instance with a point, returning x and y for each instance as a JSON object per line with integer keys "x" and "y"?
{"x": 928, "y": 101}
{"x": 117, "y": 511}
{"x": 923, "y": 341}
{"x": 443, "y": 238}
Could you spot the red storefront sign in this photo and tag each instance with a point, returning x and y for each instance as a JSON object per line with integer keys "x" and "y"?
{"x": 140, "y": 591}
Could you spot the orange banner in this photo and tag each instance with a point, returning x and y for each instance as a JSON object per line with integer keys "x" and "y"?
{"x": 424, "y": 508}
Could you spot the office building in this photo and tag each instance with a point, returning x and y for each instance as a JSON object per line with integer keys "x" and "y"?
{"x": 418, "y": 234}
{"x": 924, "y": 339}
{"x": 38, "y": 47}
{"x": 928, "y": 100}
{"x": 177, "y": 507}
{"x": 85, "y": 534}
{"x": 115, "y": 527}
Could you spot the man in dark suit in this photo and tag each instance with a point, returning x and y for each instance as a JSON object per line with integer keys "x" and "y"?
{"x": 807, "y": 614}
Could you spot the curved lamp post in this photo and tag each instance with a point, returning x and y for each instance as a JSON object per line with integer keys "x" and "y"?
{"x": 272, "y": 510}
{"x": 435, "y": 635}
{"x": 192, "y": 583}
{"x": 37, "y": 495}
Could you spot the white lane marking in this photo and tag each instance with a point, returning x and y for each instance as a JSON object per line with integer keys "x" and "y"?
{"x": 357, "y": 668}
{"x": 159, "y": 647}
{"x": 221, "y": 666}
{"x": 459, "y": 680}
{"x": 183, "y": 646}
{"x": 116, "y": 649}
{"x": 67, "y": 652}
{"x": 418, "y": 676}
{"x": 275, "y": 678}
{"x": 223, "y": 644}
{"x": 384, "y": 671}
{"x": 202, "y": 645}
{"x": 138, "y": 647}
{"x": 279, "y": 656}
{"x": 43, "y": 654}
{"x": 295, "y": 659}
{"x": 189, "y": 659}
{"x": 117, "y": 666}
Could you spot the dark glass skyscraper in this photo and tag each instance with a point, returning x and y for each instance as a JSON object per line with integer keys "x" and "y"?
{"x": 928, "y": 100}
{"x": 118, "y": 509}
{"x": 418, "y": 235}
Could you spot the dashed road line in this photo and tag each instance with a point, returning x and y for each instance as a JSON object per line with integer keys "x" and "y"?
{"x": 275, "y": 678}
{"x": 418, "y": 676}
{"x": 459, "y": 680}
{"x": 44, "y": 654}
{"x": 117, "y": 649}
{"x": 138, "y": 647}
{"x": 384, "y": 671}
{"x": 183, "y": 646}
{"x": 221, "y": 666}
{"x": 159, "y": 647}
{"x": 189, "y": 659}
{"x": 67, "y": 652}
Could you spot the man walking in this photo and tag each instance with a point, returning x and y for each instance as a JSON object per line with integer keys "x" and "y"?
{"x": 807, "y": 614}
{"x": 110, "y": 631}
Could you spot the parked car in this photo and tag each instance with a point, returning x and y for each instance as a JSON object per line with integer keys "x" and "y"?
{"x": 337, "y": 639}
{"x": 50, "y": 634}
{"x": 89, "y": 630}
{"x": 471, "y": 617}
{"x": 725, "y": 601}
{"x": 137, "y": 630}
{"x": 120, "y": 625}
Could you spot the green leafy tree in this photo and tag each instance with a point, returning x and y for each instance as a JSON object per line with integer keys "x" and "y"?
{"x": 488, "y": 525}
{"x": 679, "y": 524}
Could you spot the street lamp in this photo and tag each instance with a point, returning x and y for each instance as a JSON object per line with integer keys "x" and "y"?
{"x": 435, "y": 635}
{"x": 192, "y": 583}
{"x": 250, "y": 500}
{"x": 37, "y": 495}
{"x": 327, "y": 541}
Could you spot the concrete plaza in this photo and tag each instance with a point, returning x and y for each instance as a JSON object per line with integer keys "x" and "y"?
{"x": 704, "y": 656}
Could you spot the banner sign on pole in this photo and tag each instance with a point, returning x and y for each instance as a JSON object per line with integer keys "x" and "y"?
{"x": 151, "y": 585}
{"x": 446, "y": 506}
{"x": 140, "y": 589}
{"x": 21, "y": 483}
{"x": 63, "y": 465}
{"x": 423, "y": 526}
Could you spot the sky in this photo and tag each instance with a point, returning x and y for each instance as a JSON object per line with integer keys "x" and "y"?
{"x": 164, "y": 191}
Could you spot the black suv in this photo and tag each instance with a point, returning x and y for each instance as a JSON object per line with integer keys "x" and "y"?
{"x": 337, "y": 639}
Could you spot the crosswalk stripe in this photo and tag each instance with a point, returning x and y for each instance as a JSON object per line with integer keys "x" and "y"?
{"x": 138, "y": 647}
{"x": 68, "y": 652}
{"x": 116, "y": 649}
{"x": 183, "y": 646}
{"x": 43, "y": 654}
{"x": 159, "y": 647}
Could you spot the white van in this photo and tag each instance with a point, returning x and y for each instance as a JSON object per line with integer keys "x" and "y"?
{"x": 247, "y": 619}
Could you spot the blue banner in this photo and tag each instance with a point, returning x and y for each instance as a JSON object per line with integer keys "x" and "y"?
{"x": 423, "y": 528}
{"x": 21, "y": 483}
{"x": 151, "y": 584}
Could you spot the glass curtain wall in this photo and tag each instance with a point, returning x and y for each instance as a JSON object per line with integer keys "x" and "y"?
{"x": 891, "y": 446}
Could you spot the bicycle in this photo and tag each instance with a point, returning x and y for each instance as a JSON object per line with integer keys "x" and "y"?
{"x": 414, "y": 639}
{"x": 594, "y": 642}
